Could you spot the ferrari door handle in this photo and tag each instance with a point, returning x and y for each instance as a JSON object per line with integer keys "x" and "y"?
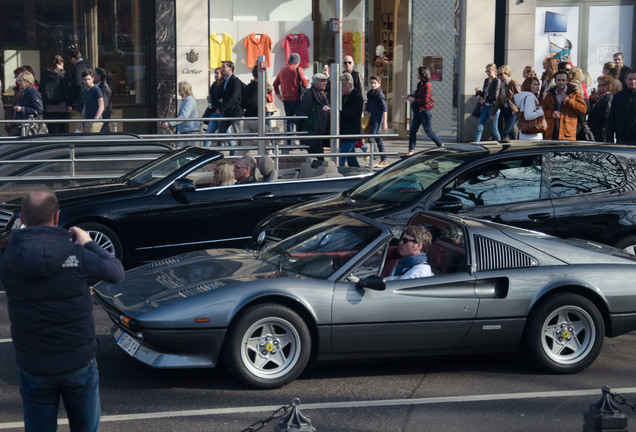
{"x": 539, "y": 216}
{"x": 263, "y": 195}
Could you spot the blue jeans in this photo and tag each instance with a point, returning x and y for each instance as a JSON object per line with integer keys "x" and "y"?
{"x": 375, "y": 128}
{"x": 509, "y": 119}
{"x": 494, "y": 124}
{"x": 79, "y": 390}
{"x": 422, "y": 118}
{"x": 348, "y": 147}
{"x": 213, "y": 126}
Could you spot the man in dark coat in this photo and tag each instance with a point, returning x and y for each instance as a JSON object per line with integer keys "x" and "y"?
{"x": 621, "y": 121}
{"x": 45, "y": 272}
{"x": 76, "y": 82}
{"x": 231, "y": 99}
{"x": 350, "y": 115}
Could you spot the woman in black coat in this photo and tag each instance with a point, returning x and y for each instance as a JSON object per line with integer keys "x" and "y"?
{"x": 30, "y": 102}
{"x": 601, "y": 104}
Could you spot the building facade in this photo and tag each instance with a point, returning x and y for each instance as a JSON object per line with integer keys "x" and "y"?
{"x": 151, "y": 45}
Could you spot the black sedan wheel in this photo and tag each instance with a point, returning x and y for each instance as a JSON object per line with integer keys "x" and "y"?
{"x": 628, "y": 244}
{"x": 268, "y": 346}
{"x": 105, "y": 237}
{"x": 565, "y": 333}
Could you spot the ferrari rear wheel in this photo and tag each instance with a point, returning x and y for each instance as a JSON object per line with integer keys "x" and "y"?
{"x": 105, "y": 237}
{"x": 268, "y": 346}
{"x": 565, "y": 333}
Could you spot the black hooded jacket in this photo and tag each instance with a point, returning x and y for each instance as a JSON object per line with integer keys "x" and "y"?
{"x": 50, "y": 306}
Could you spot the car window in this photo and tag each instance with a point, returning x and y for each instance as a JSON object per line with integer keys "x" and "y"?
{"x": 159, "y": 169}
{"x": 203, "y": 176}
{"x": 320, "y": 251}
{"x": 405, "y": 181}
{"x": 498, "y": 182}
{"x": 575, "y": 173}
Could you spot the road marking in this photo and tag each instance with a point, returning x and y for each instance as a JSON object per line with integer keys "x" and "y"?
{"x": 5, "y": 340}
{"x": 343, "y": 405}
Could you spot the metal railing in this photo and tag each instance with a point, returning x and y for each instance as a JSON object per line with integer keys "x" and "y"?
{"x": 272, "y": 144}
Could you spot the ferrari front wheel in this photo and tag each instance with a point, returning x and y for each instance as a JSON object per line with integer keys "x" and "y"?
{"x": 268, "y": 346}
{"x": 565, "y": 333}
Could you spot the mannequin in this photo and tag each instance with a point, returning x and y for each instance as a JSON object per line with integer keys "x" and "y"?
{"x": 382, "y": 65}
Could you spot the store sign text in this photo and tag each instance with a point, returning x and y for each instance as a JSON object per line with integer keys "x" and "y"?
{"x": 187, "y": 71}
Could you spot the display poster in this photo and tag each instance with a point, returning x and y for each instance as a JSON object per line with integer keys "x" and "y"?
{"x": 557, "y": 35}
{"x": 610, "y": 31}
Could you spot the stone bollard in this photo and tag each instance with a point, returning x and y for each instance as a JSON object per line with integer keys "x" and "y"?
{"x": 604, "y": 416}
{"x": 294, "y": 421}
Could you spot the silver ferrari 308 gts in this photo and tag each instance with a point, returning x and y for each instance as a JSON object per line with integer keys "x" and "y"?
{"x": 326, "y": 293}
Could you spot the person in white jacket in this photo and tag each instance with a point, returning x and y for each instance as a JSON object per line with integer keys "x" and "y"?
{"x": 528, "y": 103}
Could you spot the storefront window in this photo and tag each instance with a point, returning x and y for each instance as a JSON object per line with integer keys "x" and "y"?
{"x": 113, "y": 34}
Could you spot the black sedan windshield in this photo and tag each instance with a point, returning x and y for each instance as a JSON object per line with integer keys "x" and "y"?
{"x": 320, "y": 251}
{"x": 157, "y": 170}
{"x": 405, "y": 181}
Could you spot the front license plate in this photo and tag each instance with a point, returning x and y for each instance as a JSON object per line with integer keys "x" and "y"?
{"x": 128, "y": 344}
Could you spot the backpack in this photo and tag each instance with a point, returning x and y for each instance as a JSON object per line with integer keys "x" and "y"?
{"x": 53, "y": 91}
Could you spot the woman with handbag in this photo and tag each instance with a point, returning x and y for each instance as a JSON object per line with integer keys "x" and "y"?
{"x": 29, "y": 104}
{"x": 530, "y": 110}
{"x": 487, "y": 98}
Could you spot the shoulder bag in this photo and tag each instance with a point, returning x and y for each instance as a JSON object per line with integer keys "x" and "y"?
{"x": 530, "y": 127}
{"x": 35, "y": 128}
{"x": 301, "y": 88}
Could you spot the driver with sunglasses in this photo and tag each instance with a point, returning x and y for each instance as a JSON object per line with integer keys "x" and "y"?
{"x": 412, "y": 248}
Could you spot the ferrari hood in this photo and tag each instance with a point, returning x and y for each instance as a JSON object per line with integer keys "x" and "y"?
{"x": 183, "y": 276}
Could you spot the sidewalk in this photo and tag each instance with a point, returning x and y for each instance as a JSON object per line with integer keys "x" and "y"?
{"x": 401, "y": 145}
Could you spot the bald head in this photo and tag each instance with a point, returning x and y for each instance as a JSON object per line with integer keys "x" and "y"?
{"x": 348, "y": 63}
{"x": 39, "y": 207}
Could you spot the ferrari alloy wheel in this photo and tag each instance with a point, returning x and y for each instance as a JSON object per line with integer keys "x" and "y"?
{"x": 105, "y": 237}
{"x": 268, "y": 346}
{"x": 565, "y": 333}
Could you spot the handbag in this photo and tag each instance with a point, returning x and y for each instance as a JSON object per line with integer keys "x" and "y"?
{"x": 530, "y": 127}
{"x": 207, "y": 114}
{"x": 477, "y": 110}
{"x": 301, "y": 88}
{"x": 35, "y": 128}
{"x": 365, "y": 123}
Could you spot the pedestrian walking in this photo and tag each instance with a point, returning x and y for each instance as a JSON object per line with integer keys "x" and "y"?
{"x": 54, "y": 91}
{"x": 487, "y": 98}
{"x": 377, "y": 110}
{"x": 422, "y": 106}
{"x": 290, "y": 84}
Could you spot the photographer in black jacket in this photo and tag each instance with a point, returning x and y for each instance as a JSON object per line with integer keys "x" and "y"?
{"x": 44, "y": 271}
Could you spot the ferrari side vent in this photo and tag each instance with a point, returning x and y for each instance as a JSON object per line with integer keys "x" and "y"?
{"x": 493, "y": 255}
{"x": 197, "y": 289}
{"x": 166, "y": 261}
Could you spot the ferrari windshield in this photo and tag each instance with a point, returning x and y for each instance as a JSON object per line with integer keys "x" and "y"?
{"x": 323, "y": 249}
{"x": 406, "y": 180}
{"x": 158, "y": 169}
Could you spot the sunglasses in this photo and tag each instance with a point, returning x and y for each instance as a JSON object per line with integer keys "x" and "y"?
{"x": 405, "y": 240}
{"x": 347, "y": 62}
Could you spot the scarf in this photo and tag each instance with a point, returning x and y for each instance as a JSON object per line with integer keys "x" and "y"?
{"x": 406, "y": 264}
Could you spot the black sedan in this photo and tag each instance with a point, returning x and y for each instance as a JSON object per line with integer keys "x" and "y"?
{"x": 326, "y": 293}
{"x": 168, "y": 207}
{"x": 569, "y": 190}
